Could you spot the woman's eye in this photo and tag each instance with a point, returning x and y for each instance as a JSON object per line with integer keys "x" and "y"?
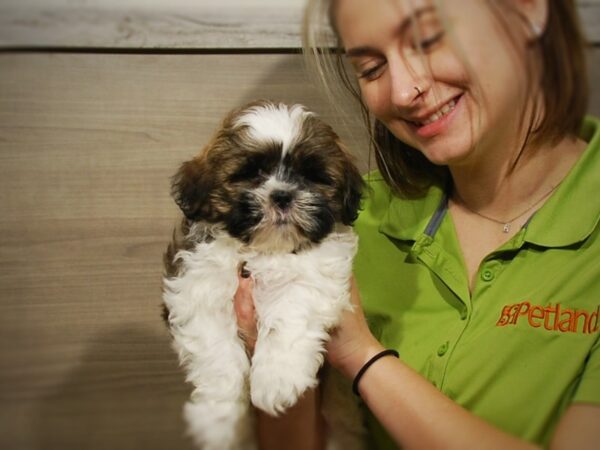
{"x": 371, "y": 73}
{"x": 428, "y": 42}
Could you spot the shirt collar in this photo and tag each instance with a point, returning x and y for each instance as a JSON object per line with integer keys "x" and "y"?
{"x": 408, "y": 219}
{"x": 571, "y": 214}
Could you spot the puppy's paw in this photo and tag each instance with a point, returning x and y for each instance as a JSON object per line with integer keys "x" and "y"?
{"x": 275, "y": 388}
{"x": 215, "y": 424}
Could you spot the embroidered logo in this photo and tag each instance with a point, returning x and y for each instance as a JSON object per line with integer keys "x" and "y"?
{"x": 551, "y": 317}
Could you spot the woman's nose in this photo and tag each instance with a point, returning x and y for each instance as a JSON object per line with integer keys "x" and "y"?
{"x": 407, "y": 84}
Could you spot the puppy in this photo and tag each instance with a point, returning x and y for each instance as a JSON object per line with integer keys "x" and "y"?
{"x": 276, "y": 192}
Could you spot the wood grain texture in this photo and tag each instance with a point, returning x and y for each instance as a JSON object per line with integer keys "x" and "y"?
{"x": 196, "y": 24}
{"x": 87, "y": 146}
{"x": 154, "y": 24}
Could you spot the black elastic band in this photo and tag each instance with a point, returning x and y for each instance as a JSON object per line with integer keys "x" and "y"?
{"x": 368, "y": 364}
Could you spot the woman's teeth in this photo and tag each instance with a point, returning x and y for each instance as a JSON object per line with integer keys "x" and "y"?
{"x": 439, "y": 114}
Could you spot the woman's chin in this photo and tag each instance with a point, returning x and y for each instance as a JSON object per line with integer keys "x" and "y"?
{"x": 448, "y": 155}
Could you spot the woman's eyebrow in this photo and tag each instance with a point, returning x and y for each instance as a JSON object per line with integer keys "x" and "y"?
{"x": 367, "y": 50}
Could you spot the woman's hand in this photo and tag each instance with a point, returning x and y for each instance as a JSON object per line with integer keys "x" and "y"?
{"x": 352, "y": 344}
{"x": 243, "y": 304}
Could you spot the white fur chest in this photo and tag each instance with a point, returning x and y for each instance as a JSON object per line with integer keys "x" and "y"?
{"x": 299, "y": 298}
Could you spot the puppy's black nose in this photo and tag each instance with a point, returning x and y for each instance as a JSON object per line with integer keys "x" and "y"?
{"x": 282, "y": 198}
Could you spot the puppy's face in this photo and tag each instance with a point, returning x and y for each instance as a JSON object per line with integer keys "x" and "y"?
{"x": 275, "y": 177}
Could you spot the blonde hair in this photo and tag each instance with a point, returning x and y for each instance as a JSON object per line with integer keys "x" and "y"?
{"x": 563, "y": 86}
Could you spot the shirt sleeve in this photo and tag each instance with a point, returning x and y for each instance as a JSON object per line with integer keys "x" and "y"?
{"x": 588, "y": 390}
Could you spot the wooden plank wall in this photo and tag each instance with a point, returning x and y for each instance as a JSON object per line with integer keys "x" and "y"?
{"x": 88, "y": 141}
{"x": 87, "y": 145}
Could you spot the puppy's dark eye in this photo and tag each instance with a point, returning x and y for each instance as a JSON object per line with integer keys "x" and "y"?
{"x": 254, "y": 166}
{"x": 319, "y": 178}
{"x": 312, "y": 168}
{"x": 246, "y": 174}
{"x": 251, "y": 170}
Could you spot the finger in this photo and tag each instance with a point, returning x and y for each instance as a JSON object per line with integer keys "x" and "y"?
{"x": 243, "y": 304}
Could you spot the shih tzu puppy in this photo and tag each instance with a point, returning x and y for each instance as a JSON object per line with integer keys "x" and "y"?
{"x": 276, "y": 192}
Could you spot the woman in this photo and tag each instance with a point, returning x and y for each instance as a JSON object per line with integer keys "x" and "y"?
{"x": 479, "y": 235}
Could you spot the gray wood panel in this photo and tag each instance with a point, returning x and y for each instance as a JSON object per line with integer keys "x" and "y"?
{"x": 198, "y": 24}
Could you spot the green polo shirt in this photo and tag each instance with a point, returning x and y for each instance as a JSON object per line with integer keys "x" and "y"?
{"x": 521, "y": 347}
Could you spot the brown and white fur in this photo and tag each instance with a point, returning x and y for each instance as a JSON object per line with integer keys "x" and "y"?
{"x": 274, "y": 191}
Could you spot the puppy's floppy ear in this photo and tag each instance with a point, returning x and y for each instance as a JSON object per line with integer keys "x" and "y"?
{"x": 191, "y": 188}
{"x": 351, "y": 192}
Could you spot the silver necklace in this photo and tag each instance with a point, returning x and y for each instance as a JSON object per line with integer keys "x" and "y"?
{"x": 506, "y": 224}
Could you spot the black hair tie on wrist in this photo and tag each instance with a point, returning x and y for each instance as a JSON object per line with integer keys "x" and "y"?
{"x": 368, "y": 364}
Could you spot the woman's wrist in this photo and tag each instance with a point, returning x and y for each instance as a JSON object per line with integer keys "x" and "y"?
{"x": 354, "y": 361}
{"x": 368, "y": 364}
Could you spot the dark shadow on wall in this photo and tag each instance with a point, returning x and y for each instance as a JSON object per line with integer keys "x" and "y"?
{"x": 127, "y": 393}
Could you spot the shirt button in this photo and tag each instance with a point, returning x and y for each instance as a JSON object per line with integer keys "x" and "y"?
{"x": 487, "y": 275}
{"x": 443, "y": 349}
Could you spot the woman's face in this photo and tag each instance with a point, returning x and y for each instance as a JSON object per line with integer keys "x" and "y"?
{"x": 447, "y": 85}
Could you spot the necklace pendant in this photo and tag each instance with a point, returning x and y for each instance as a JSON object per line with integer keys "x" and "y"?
{"x": 506, "y": 228}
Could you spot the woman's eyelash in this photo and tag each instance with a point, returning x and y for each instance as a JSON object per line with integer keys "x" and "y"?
{"x": 370, "y": 72}
{"x": 428, "y": 42}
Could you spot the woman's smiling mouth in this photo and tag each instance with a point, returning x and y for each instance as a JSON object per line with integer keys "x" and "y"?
{"x": 435, "y": 123}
